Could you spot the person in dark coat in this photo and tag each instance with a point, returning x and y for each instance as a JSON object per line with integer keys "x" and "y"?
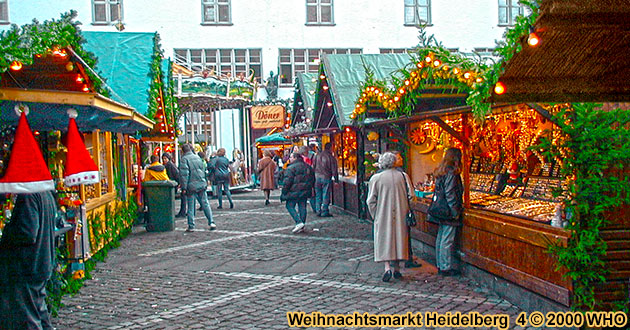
{"x": 193, "y": 173}
{"x": 221, "y": 169}
{"x": 27, "y": 254}
{"x": 299, "y": 180}
{"x": 448, "y": 185}
{"x": 171, "y": 169}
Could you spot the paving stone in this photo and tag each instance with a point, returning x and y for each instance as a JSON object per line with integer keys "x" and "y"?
{"x": 341, "y": 267}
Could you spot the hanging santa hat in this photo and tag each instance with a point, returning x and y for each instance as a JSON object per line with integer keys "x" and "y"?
{"x": 27, "y": 171}
{"x": 79, "y": 167}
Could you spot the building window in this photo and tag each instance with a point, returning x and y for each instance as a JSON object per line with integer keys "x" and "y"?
{"x": 4, "y": 11}
{"x": 417, "y": 12}
{"x": 232, "y": 62}
{"x": 508, "y": 11}
{"x": 319, "y": 12}
{"x": 106, "y": 11}
{"x": 293, "y": 61}
{"x": 397, "y": 50}
{"x": 216, "y": 12}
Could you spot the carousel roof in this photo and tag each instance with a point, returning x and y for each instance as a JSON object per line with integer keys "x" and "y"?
{"x": 582, "y": 55}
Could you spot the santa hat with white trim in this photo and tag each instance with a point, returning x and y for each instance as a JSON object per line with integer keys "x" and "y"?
{"x": 79, "y": 167}
{"x": 27, "y": 171}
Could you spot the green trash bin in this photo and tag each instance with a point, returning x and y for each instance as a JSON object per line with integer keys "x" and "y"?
{"x": 160, "y": 199}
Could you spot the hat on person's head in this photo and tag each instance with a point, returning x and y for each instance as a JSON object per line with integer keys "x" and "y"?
{"x": 79, "y": 167}
{"x": 27, "y": 171}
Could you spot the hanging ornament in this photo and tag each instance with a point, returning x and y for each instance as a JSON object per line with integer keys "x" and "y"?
{"x": 69, "y": 66}
{"x": 418, "y": 136}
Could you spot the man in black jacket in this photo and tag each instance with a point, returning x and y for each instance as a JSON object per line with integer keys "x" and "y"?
{"x": 299, "y": 179}
{"x": 27, "y": 254}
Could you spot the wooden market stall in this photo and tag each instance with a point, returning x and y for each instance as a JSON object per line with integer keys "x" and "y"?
{"x": 508, "y": 199}
{"x": 579, "y": 56}
{"x": 48, "y": 81}
{"x": 339, "y": 82}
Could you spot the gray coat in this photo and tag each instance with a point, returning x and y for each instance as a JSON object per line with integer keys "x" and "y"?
{"x": 192, "y": 172}
{"x": 27, "y": 246}
{"x": 221, "y": 169}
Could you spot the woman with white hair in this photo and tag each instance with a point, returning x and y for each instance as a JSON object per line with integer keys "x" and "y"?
{"x": 388, "y": 196}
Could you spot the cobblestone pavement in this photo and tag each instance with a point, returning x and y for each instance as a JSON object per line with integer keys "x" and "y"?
{"x": 252, "y": 270}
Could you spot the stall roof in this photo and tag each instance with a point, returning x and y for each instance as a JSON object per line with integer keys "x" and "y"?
{"x": 582, "y": 55}
{"x": 307, "y": 84}
{"x": 124, "y": 60}
{"x": 273, "y": 138}
{"x": 346, "y": 74}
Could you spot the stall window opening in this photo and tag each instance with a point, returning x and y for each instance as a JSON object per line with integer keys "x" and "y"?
{"x": 106, "y": 12}
{"x": 216, "y": 12}
{"x": 417, "y": 12}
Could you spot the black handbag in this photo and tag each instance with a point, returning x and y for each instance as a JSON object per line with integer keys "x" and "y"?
{"x": 410, "y": 219}
{"x": 439, "y": 208}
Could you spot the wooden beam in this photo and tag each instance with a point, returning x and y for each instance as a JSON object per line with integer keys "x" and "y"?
{"x": 450, "y": 130}
{"x": 542, "y": 112}
{"x": 466, "y": 162}
{"x": 96, "y": 155}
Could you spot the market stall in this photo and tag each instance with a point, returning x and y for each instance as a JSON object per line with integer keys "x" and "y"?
{"x": 339, "y": 83}
{"x": 508, "y": 188}
{"x": 52, "y": 81}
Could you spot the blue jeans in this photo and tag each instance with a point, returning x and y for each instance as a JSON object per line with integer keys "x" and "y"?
{"x": 445, "y": 246}
{"x": 202, "y": 198}
{"x": 301, "y": 205}
{"x": 322, "y": 195}
{"x": 223, "y": 186}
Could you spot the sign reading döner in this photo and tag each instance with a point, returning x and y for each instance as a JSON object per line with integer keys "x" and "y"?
{"x": 268, "y": 116}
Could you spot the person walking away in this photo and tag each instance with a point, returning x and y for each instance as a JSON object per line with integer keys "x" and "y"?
{"x": 194, "y": 184}
{"x": 155, "y": 171}
{"x": 221, "y": 168}
{"x": 266, "y": 170}
{"x": 27, "y": 255}
{"x": 387, "y": 202}
{"x": 449, "y": 187}
{"x": 298, "y": 187}
{"x": 325, "y": 166}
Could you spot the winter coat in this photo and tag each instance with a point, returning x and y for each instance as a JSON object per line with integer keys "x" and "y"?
{"x": 221, "y": 169}
{"x": 325, "y": 165}
{"x": 172, "y": 171}
{"x": 27, "y": 248}
{"x": 155, "y": 172}
{"x": 266, "y": 170}
{"x": 450, "y": 186}
{"x": 193, "y": 173}
{"x": 299, "y": 180}
{"x": 388, "y": 204}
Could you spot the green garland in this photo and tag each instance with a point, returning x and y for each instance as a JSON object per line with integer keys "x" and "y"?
{"x": 118, "y": 226}
{"x": 22, "y": 44}
{"x": 159, "y": 88}
{"x": 594, "y": 144}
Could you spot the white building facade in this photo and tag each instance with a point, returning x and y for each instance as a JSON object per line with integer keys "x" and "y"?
{"x": 245, "y": 37}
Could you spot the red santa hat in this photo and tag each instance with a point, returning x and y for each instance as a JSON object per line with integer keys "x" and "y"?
{"x": 27, "y": 171}
{"x": 79, "y": 167}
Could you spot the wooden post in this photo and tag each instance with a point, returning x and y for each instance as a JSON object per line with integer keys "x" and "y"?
{"x": 467, "y": 149}
{"x": 96, "y": 155}
{"x": 109, "y": 162}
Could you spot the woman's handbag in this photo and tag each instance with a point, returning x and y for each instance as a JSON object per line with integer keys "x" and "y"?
{"x": 439, "y": 208}
{"x": 410, "y": 219}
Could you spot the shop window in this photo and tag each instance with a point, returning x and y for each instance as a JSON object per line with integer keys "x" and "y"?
{"x": 417, "y": 12}
{"x": 4, "y": 11}
{"x": 234, "y": 62}
{"x": 216, "y": 12}
{"x": 319, "y": 12}
{"x": 106, "y": 12}
{"x": 508, "y": 11}
{"x": 293, "y": 61}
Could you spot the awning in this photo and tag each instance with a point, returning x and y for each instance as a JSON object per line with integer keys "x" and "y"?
{"x": 48, "y": 111}
{"x": 273, "y": 138}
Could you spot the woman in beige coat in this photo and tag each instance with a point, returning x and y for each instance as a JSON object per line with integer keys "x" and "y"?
{"x": 266, "y": 169}
{"x": 387, "y": 202}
